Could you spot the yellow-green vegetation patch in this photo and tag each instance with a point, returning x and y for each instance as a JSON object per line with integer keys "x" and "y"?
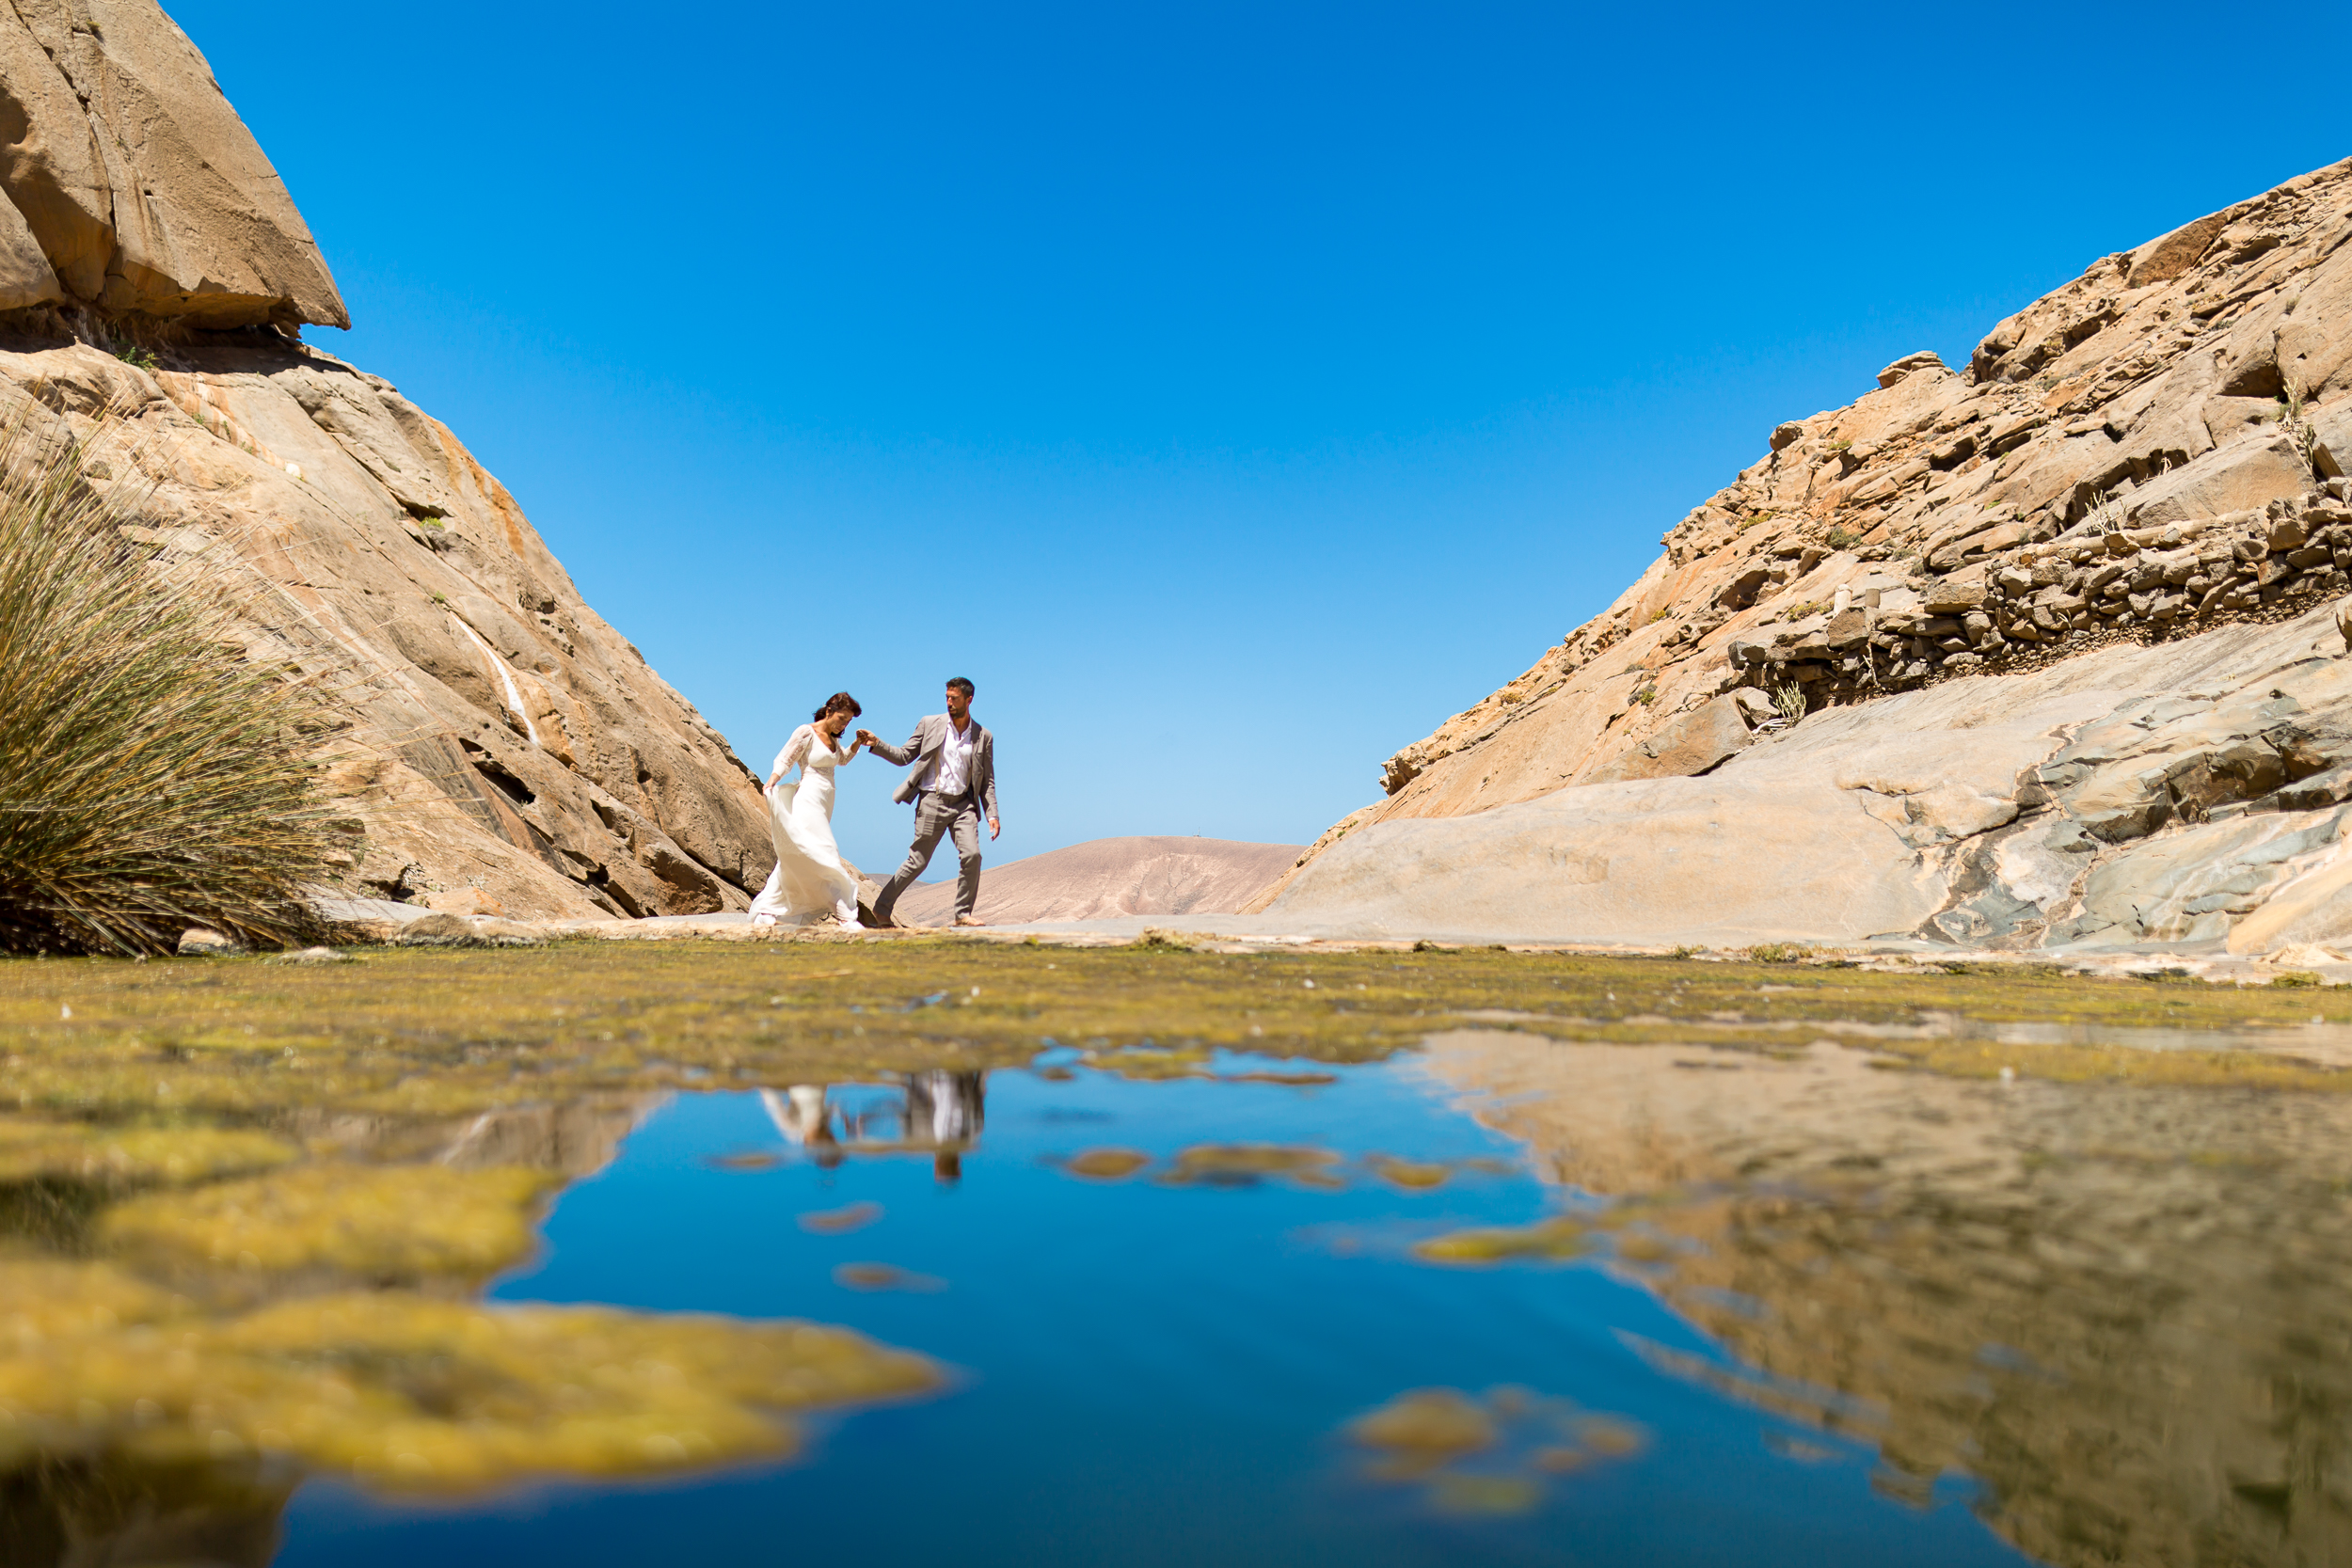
{"x": 43, "y": 1299}
{"x": 1489, "y": 1456}
{"x": 1418, "y": 1176}
{"x": 1242, "y": 1164}
{"x": 1425, "y": 1422}
{"x": 383, "y": 1221}
{"x": 1106, "y": 1164}
{"x": 250, "y": 1098}
{"x": 2116, "y": 1064}
{"x": 406, "y": 1391}
{"x": 430, "y": 1032}
{"x": 1562, "y": 1236}
{"x": 34, "y": 1149}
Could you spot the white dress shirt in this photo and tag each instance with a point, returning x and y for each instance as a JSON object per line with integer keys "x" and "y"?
{"x": 951, "y": 771}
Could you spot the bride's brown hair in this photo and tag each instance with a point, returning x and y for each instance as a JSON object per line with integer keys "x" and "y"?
{"x": 840, "y": 701}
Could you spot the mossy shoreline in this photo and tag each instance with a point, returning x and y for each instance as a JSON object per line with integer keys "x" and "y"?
{"x": 212, "y": 1152}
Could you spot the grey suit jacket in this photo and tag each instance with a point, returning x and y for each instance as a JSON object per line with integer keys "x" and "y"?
{"x": 922, "y": 748}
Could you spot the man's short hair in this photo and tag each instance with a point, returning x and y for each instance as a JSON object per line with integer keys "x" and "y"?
{"x": 959, "y": 684}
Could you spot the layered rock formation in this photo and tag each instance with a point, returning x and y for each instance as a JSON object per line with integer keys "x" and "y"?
{"x": 2036, "y": 652}
{"x": 1109, "y": 878}
{"x": 492, "y": 744}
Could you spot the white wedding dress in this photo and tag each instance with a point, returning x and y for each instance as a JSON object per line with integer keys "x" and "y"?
{"x": 809, "y": 882}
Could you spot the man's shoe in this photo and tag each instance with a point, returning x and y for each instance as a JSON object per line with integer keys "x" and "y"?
{"x": 970, "y": 920}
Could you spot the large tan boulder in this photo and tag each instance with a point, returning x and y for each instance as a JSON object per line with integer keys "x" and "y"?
{"x": 144, "y": 192}
{"x": 2190, "y": 795}
{"x": 494, "y": 740}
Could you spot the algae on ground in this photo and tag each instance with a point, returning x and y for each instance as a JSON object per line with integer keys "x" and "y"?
{"x": 191, "y": 1144}
{"x": 402, "y": 1391}
{"x": 1562, "y": 1236}
{"x": 1106, "y": 1164}
{"x": 1475, "y": 1456}
{"x": 377, "y": 1223}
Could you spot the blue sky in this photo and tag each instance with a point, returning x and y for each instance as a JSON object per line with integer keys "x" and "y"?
{"x": 1234, "y": 392}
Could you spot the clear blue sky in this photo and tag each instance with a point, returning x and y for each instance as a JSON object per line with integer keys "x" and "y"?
{"x": 1233, "y": 392}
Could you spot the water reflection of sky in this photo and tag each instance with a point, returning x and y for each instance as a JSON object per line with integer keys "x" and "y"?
{"x": 1150, "y": 1374}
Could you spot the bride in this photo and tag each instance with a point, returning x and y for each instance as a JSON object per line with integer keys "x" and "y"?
{"x": 809, "y": 882}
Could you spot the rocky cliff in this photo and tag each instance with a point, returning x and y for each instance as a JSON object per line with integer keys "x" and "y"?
{"x": 490, "y": 740}
{"x": 2037, "y": 652}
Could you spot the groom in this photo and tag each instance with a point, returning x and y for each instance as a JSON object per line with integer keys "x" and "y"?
{"x": 953, "y": 786}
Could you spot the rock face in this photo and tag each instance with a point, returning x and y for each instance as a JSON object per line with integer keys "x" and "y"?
{"x": 1109, "y": 877}
{"x": 488, "y": 737}
{"x": 2040, "y": 652}
{"x": 132, "y": 185}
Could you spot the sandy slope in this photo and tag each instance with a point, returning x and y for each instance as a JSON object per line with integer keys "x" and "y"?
{"x": 1108, "y": 878}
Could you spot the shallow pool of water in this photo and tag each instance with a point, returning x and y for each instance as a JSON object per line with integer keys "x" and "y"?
{"x": 1498, "y": 1259}
{"x": 1157, "y": 1371}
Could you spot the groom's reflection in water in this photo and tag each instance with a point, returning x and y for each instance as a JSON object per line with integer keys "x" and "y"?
{"x": 937, "y": 1111}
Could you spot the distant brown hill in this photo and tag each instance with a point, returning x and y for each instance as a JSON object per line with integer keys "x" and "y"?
{"x": 1108, "y": 878}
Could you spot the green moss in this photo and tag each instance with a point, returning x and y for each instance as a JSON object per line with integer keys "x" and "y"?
{"x": 1240, "y": 1165}
{"x": 1514, "y": 1438}
{"x": 190, "y": 1080}
{"x": 31, "y": 1150}
{"x": 431, "y": 1033}
{"x": 1442, "y": 1421}
{"x": 1106, "y": 1164}
{"x": 1558, "y": 1236}
{"x": 1410, "y": 1175}
{"x": 399, "y": 1222}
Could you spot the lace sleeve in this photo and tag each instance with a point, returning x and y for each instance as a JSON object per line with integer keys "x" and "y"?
{"x": 795, "y": 750}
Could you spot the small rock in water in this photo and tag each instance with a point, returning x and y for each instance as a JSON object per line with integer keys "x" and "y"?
{"x": 841, "y": 1222}
{"x": 199, "y": 942}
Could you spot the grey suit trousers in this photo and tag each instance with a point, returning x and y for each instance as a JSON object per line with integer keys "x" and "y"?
{"x": 936, "y": 814}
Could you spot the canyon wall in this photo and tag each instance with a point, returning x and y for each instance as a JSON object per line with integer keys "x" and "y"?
{"x": 2035, "y": 652}
{"x": 488, "y": 740}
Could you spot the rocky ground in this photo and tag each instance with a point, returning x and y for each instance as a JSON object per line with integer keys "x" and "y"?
{"x": 2114, "y": 541}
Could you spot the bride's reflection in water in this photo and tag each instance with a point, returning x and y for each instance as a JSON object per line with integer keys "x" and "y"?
{"x": 937, "y": 1110}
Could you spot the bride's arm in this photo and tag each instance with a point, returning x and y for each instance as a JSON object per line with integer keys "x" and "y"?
{"x": 794, "y": 754}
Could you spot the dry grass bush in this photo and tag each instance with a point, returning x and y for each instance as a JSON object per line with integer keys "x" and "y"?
{"x": 149, "y": 780}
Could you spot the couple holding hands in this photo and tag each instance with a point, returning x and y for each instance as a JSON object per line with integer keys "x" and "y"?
{"x": 953, "y": 785}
